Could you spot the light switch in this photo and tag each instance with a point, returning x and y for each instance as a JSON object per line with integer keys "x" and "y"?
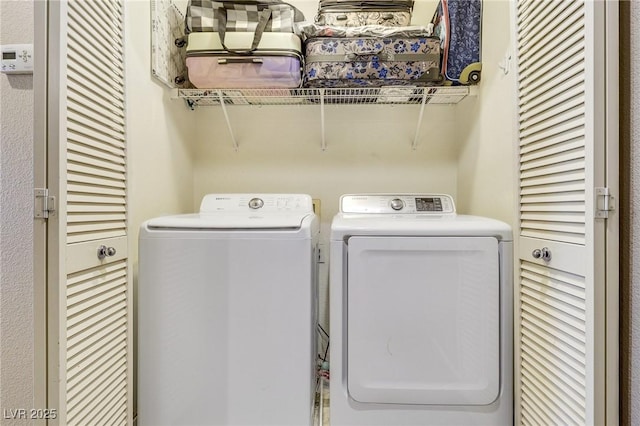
{"x": 17, "y": 58}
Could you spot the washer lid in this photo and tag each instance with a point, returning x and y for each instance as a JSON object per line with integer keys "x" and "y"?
{"x": 243, "y": 211}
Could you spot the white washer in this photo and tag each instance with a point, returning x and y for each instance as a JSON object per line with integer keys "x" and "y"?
{"x": 227, "y": 306}
{"x": 420, "y": 313}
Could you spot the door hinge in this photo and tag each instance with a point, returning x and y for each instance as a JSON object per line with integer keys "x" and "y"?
{"x": 44, "y": 204}
{"x": 604, "y": 203}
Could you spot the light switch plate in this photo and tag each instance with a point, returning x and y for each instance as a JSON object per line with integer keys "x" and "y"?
{"x": 16, "y": 58}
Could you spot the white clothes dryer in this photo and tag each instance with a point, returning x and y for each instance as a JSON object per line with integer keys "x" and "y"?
{"x": 421, "y": 315}
{"x": 227, "y": 306}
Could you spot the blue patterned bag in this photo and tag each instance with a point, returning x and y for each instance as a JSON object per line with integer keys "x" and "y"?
{"x": 458, "y": 24}
{"x": 371, "y": 61}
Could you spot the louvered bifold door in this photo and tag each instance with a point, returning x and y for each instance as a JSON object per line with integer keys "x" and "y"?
{"x": 90, "y": 360}
{"x": 560, "y": 333}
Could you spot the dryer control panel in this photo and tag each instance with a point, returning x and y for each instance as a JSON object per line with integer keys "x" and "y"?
{"x": 397, "y": 204}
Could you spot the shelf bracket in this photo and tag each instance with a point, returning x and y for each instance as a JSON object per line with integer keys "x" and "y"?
{"x": 226, "y": 117}
{"x": 322, "y": 135}
{"x": 414, "y": 145}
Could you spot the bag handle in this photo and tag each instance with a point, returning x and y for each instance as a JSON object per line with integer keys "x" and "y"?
{"x": 263, "y": 18}
{"x": 364, "y": 52}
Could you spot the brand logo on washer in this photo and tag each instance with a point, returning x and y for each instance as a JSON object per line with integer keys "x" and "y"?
{"x": 222, "y": 198}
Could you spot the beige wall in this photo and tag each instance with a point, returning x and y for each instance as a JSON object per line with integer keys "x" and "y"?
{"x": 16, "y": 223}
{"x": 369, "y": 147}
{"x": 486, "y": 126}
{"x": 368, "y": 150}
{"x": 160, "y": 132}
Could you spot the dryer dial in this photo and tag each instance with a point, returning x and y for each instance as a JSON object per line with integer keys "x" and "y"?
{"x": 396, "y": 204}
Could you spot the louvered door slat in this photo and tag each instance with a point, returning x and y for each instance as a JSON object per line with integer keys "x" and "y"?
{"x": 98, "y": 72}
{"x": 571, "y": 135}
{"x": 110, "y": 145}
{"x": 569, "y": 345}
{"x": 570, "y": 125}
{"x": 564, "y": 207}
{"x": 95, "y": 161}
{"x": 101, "y": 41}
{"x": 547, "y": 38}
{"x": 108, "y": 120}
{"x": 111, "y": 12}
{"x": 113, "y": 399}
{"x": 556, "y": 351}
{"x": 550, "y": 99}
{"x": 561, "y": 97}
{"x": 558, "y": 22}
{"x": 114, "y": 415}
{"x": 555, "y": 376}
{"x": 551, "y": 188}
{"x": 530, "y": 12}
{"x": 85, "y": 144}
{"x": 544, "y": 395}
{"x": 544, "y": 152}
{"x": 87, "y": 12}
{"x": 96, "y": 62}
{"x": 97, "y": 104}
{"x": 557, "y": 168}
{"x": 570, "y": 52}
{"x": 90, "y": 366}
{"x": 87, "y": 86}
{"x": 117, "y": 380}
{"x": 85, "y": 179}
{"x": 101, "y": 48}
{"x": 84, "y": 169}
{"x": 95, "y": 302}
{"x": 92, "y": 135}
{"x": 108, "y": 155}
{"x": 96, "y": 190}
{"x": 561, "y": 158}
{"x": 570, "y": 176}
{"x": 530, "y": 417}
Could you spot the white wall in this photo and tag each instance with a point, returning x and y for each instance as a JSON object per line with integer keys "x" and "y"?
{"x": 16, "y": 223}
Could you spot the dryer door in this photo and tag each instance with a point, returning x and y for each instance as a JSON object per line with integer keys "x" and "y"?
{"x": 423, "y": 320}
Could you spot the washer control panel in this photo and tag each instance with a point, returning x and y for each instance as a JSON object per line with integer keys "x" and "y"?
{"x": 397, "y": 204}
{"x": 264, "y": 203}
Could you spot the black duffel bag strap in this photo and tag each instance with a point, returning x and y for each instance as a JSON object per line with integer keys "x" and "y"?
{"x": 263, "y": 18}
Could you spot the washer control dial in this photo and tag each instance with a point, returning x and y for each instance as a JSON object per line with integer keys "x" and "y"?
{"x": 256, "y": 203}
{"x": 396, "y": 204}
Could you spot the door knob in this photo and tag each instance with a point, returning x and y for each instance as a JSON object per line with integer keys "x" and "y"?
{"x": 544, "y": 254}
{"x": 104, "y": 251}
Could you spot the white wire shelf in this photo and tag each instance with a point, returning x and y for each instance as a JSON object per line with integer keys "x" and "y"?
{"x": 395, "y": 95}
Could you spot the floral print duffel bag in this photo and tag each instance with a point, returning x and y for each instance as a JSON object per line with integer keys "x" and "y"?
{"x": 372, "y": 62}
